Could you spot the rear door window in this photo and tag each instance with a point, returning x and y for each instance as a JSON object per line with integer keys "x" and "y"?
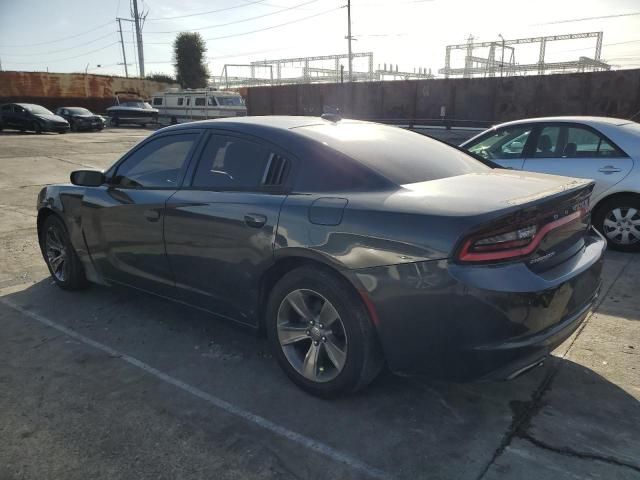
{"x": 583, "y": 142}
{"x": 231, "y": 163}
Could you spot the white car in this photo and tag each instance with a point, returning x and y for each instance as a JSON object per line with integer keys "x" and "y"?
{"x": 604, "y": 149}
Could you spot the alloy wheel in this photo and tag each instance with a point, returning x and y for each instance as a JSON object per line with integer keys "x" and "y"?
{"x": 622, "y": 225}
{"x": 57, "y": 255}
{"x": 312, "y": 335}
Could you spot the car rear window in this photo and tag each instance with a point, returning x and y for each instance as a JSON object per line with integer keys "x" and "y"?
{"x": 401, "y": 156}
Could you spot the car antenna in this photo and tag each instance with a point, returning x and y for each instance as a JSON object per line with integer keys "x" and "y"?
{"x": 331, "y": 117}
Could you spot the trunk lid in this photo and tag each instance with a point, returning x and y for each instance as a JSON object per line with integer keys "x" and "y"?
{"x": 537, "y": 218}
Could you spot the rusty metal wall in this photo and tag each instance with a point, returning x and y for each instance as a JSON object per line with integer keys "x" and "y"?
{"x": 467, "y": 102}
{"x": 53, "y": 90}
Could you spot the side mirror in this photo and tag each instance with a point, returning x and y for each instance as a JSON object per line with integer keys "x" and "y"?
{"x": 87, "y": 178}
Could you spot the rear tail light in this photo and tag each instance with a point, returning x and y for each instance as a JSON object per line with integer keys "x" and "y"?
{"x": 505, "y": 243}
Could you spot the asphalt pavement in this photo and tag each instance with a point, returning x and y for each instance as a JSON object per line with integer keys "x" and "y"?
{"x": 110, "y": 383}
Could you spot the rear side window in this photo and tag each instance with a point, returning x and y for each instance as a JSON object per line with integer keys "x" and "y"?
{"x": 6, "y": 108}
{"x": 330, "y": 171}
{"x": 582, "y": 142}
{"x": 157, "y": 164}
{"x": 565, "y": 141}
{"x": 401, "y": 156}
{"x": 229, "y": 163}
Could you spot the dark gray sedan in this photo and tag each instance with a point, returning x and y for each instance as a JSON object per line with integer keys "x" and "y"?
{"x": 350, "y": 243}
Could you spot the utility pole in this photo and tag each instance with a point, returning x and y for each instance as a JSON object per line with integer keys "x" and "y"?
{"x": 502, "y": 56}
{"x": 349, "y": 39}
{"x": 124, "y": 55}
{"x": 136, "y": 19}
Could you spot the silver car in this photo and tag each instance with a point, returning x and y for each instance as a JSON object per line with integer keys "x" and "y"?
{"x": 604, "y": 149}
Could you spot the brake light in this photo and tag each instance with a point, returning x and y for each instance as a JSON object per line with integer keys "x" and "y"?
{"x": 506, "y": 244}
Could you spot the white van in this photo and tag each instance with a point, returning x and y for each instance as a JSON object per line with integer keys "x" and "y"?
{"x": 188, "y": 105}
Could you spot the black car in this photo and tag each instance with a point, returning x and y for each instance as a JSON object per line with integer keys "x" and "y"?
{"x": 351, "y": 243}
{"x": 80, "y": 118}
{"x": 27, "y": 116}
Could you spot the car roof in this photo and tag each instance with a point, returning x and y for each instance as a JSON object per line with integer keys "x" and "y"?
{"x": 587, "y": 120}
{"x": 278, "y": 122}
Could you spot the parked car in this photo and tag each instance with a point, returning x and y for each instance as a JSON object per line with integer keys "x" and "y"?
{"x": 351, "y": 243}
{"x": 80, "y": 118}
{"x": 27, "y": 116}
{"x": 604, "y": 149}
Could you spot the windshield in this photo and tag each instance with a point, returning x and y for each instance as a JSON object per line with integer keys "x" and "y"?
{"x": 135, "y": 104}
{"x": 230, "y": 101}
{"x": 38, "y": 110}
{"x": 401, "y": 156}
{"x": 79, "y": 111}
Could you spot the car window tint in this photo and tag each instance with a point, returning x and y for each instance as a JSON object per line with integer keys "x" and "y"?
{"x": 502, "y": 144}
{"x": 548, "y": 144}
{"x": 330, "y": 171}
{"x": 231, "y": 163}
{"x": 401, "y": 156}
{"x": 583, "y": 142}
{"x": 156, "y": 164}
{"x": 6, "y": 108}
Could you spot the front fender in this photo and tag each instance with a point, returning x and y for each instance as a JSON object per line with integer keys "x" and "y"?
{"x": 66, "y": 201}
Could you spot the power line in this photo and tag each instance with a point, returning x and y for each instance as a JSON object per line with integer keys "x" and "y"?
{"x": 59, "y": 39}
{"x": 584, "y": 19}
{"x": 68, "y": 58}
{"x": 158, "y": 19}
{"x": 239, "y": 21}
{"x": 57, "y": 51}
{"x": 275, "y": 26}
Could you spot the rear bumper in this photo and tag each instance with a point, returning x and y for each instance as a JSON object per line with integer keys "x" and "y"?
{"x": 466, "y": 323}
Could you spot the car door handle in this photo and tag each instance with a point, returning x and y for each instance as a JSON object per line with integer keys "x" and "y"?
{"x": 609, "y": 169}
{"x": 152, "y": 215}
{"x": 255, "y": 220}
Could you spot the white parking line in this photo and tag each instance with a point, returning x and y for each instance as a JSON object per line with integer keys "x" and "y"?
{"x": 262, "y": 422}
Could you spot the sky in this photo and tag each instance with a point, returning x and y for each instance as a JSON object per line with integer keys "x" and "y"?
{"x": 79, "y": 35}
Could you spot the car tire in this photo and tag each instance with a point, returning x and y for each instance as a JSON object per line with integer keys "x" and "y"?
{"x": 54, "y": 244}
{"x": 63, "y": 131}
{"x": 347, "y": 355}
{"x": 36, "y": 127}
{"x": 617, "y": 219}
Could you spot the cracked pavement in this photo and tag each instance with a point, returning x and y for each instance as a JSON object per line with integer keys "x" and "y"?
{"x": 70, "y": 410}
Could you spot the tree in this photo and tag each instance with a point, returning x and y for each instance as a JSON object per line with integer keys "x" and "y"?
{"x": 188, "y": 57}
{"x": 161, "y": 77}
